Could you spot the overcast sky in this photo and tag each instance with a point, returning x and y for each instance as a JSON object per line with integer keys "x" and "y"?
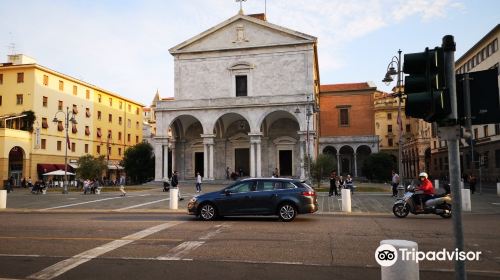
{"x": 122, "y": 45}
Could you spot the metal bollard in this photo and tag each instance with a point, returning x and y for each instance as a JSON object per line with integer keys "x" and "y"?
{"x": 407, "y": 269}
{"x": 401, "y": 191}
{"x": 466, "y": 202}
{"x": 174, "y": 199}
{"x": 346, "y": 200}
{"x": 3, "y": 199}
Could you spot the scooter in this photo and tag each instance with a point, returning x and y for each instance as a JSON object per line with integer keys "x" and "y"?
{"x": 410, "y": 203}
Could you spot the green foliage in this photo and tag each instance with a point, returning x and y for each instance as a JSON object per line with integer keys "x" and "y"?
{"x": 139, "y": 162}
{"x": 28, "y": 120}
{"x": 90, "y": 167}
{"x": 322, "y": 167}
{"x": 379, "y": 167}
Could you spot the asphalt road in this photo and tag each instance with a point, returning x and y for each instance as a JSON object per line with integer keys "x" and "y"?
{"x": 149, "y": 245}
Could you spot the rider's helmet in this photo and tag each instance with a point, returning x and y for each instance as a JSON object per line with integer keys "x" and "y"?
{"x": 423, "y": 174}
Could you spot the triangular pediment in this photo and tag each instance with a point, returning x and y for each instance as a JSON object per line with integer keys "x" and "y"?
{"x": 241, "y": 32}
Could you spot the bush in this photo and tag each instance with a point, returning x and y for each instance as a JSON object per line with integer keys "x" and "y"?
{"x": 379, "y": 167}
{"x": 322, "y": 167}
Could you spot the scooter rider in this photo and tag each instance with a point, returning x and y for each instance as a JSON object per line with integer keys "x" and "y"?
{"x": 426, "y": 187}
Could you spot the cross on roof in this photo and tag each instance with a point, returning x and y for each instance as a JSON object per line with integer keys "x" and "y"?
{"x": 241, "y": 5}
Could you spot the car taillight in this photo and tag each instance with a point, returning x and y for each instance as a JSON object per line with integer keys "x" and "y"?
{"x": 309, "y": 193}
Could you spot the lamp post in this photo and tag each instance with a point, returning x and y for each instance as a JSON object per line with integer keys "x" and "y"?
{"x": 67, "y": 119}
{"x": 391, "y": 71}
{"x": 308, "y": 150}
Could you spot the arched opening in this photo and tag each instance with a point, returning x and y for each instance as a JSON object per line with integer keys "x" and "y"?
{"x": 16, "y": 162}
{"x": 346, "y": 160}
{"x": 362, "y": 153}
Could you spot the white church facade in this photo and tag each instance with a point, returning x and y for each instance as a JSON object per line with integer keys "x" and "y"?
{"x": 245, "y": 98}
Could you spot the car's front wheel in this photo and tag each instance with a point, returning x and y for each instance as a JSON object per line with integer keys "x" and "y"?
{"x": 287, "y": 212}
{"x": 208, "y": 212}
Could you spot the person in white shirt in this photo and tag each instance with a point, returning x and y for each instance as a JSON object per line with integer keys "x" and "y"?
{"x": 395, "y": 183}
{"x": 198, "y": 182}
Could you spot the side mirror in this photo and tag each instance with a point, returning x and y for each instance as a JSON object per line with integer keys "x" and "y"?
{"x": 227, "y": 192}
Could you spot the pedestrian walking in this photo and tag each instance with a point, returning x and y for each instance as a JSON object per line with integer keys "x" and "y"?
{"x": 472, "y": 183}
{"x": 198, "y": 182}
{"x": 175, "y": 182}
{"x": 395, "y": 183}
{"x": 333, "y": 184}
{"x": 122, "y": 185}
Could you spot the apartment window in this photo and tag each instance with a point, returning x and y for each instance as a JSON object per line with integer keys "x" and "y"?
{"x": 45, "y": 80}
{"x": 75, "y": 90}
{"x": 74, "y": 129}
{"x": 497, "y": 126}
{"x": 120, "y": 105}
{"x": 99, "y": 133}
{"x": 0, "y": 100}
{"x": 99, "y": 98}
{"x": 110, "y": 118}
{"x": 485, "y": 130}
{"x": 390, "y": 142}
{"x": 137, "y": 125}
{"x": 87, "y": 112}
{"x": 59, "y": 145}
{"x": 119, "y": 120}
{"x": 408, "y": 128}
{"x": 389, "y": 128}
{"x": 20, "y": 77}
{"x": 1, "y": 79}
{"x": 75, "y": 109}
{"x": 45, "y": 100}
{"x": 110, "y": 101}
{"x": 128, "y": 123}
{"x": 73, "y": 147}
{"x": 61, "y": 85}
{"x": 44, "y": 144}
{"x": 389, "y": 116}
{"x": 119, "y": 136}
{"x": 119, "y": 151}
{"x": 137, "y": 111}
{"x": 19, "y": 99}
{"x": 99, "y": 149}
{"x": 60, "y": 105}
{"x": 435, "y": 145}
{"x": 87, "y": 94}
{"x": 99, "y": 115}
{"x": 129, "y": 107}
{"x": 86, "y": 148}
{"x": 60, "y": 126}
{"x": 109, "y": 151}
{"x": 128, "y": 137}
{"x": 136, "y": 139}
{"x": 241, "y": 85}
{"x": 87, "y": 130}
{"x": 344, "y": 116}
{"x": 110, "y": 134}
{"x": 476, "y": 133}
{"x": 45, "y": 123}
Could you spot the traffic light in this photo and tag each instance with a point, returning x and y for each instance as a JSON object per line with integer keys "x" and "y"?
{"x": 426, "y": 94}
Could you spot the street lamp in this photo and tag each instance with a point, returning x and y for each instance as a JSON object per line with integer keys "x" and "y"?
{"x": 308, "y": 113}
{"x": 391, "y": 71}
{"x": 67, "y": 119}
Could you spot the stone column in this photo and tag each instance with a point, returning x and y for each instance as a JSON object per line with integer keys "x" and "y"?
{"x": 302, "y": 148}
{"x": 252, "y": 159}
{"x": 259, "y": 159}
{"x": 205, "y": 161}
{"x": 174, "y": 165}
{"x": 165, "y": 160}
{"x": 211, "y": 160}
{"x": 208, "y": 156}
{"x": 355, "y": 166}
{"x": 159, "y": 143}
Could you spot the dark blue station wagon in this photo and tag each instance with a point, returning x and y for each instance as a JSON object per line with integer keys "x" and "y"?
{"x": 257, "y": 196}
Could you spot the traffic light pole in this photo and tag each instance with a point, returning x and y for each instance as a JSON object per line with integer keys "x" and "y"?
{"x": 451, "y": 133}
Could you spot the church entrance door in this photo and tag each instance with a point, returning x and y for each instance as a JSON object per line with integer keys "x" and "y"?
{"x": 285, "y": 163}
{"x": 199, "y": 163}
{"x": 242, "y": 161}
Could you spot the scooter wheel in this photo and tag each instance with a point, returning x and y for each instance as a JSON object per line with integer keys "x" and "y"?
{"x": 447, "y": 213}
{"x": 400, "y": 210}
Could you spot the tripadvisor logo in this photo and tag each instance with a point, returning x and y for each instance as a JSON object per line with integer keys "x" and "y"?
{"x": 387, "y": 255}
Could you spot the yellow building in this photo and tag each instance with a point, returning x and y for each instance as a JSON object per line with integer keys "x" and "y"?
{"x": 106, "y": 124}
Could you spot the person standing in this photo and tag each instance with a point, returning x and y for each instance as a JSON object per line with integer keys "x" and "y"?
{"x": 349, "y": 183}
{"x": 472, "y": 183}
{"x": 333, "y": 184}
{"x": 122, "y": 185}
{"x": 395, "y": 183}
{"x": 198, "y": 182}
{"x": 175, "y": 182}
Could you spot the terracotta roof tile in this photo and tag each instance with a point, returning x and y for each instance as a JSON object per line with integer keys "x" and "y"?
{"x": 344, "y": 87}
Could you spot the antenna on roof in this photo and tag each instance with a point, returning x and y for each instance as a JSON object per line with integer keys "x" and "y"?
{"x": 12, "y": 46}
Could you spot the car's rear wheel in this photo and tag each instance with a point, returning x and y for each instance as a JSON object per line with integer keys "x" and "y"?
{"x": 287, "y": 212}
{"x": 208, "y": 212}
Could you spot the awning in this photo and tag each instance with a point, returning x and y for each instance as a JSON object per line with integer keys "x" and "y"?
{"x": 73, "y": 165}
{"x": 115, "y": 167}
{"x": 49, "y": 167}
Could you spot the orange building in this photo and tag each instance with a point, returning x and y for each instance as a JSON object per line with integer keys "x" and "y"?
{"x": 347, "y": 125}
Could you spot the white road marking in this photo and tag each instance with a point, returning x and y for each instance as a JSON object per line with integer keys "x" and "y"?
{"x": 142, "y": 204}
{"x": 68, "y": 264}
{"x": 80, "y": 203}
{"x": 183, "y": 249}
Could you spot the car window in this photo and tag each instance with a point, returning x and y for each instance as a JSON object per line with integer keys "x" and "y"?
{"x": 265, "y": 186}
{"x": 242, "y": 187}
{"x": 283, "y": 185}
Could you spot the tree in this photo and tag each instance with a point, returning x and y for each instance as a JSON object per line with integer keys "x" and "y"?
{"x": 139, "y": 163}
{"x": 28, "y": 120}
{"x": 90, "y": 167}
{"x": 321, "y": 168}
{"x": 378, "y": 167}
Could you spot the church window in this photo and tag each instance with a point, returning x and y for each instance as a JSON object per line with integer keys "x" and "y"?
{"x": 241, "y": 85}
{"x": 344, "y": 116}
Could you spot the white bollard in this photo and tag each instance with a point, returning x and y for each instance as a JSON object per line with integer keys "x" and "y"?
{"x": 3, "y": 199}
{"x": 498, "y": 189}
{"x": 407, "y": 269}
{"x": 174, "y": 199}
{"x": 346, "y": 200}
{"x": 466, "y": 203}
{"x": 436, "y": 184}
{"x": 462, "y": 185}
